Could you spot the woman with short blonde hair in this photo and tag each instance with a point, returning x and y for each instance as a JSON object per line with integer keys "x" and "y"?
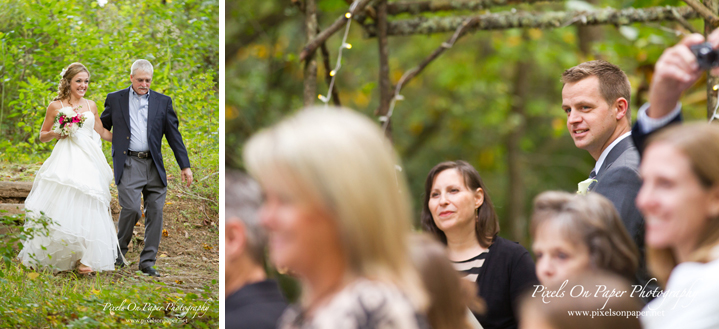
{"x": 338, "y": 215}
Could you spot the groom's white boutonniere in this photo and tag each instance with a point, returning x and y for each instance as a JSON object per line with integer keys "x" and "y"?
{"x": 583, "y": 186}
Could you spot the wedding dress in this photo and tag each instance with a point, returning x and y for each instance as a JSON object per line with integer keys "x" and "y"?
{"x": 73, "y": 189}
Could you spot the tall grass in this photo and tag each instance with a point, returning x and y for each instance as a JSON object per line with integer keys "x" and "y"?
{"x": 106, "y": 300}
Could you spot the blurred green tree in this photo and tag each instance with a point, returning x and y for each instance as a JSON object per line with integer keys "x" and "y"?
{"x": 493, "y": 99}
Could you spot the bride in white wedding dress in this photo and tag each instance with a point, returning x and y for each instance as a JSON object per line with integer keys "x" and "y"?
{"x": 73, "y": 189}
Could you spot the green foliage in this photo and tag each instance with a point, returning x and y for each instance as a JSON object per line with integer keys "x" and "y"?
{"x": 41, "y": 299}
{"x": 40, "y": 38}
{"x": 34, "y": 299}
{"x": 11, "y": 238}
{"x": 460, "y": 106}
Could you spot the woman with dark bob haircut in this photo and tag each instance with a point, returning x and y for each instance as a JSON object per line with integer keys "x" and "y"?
{"x": 458, "y": 211}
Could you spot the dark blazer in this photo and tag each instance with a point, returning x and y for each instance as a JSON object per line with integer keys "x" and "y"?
{"x": 507, "y": 272}
{"x": 255, "y": 306}
{"x": 161, "y": 120}
{"x": 640, "y": 138}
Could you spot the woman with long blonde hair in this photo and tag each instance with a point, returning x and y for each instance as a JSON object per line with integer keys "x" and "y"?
{"x": 680, "y": 202}
{"x": 338, "y": 216}
{"x": 72, "y": 187}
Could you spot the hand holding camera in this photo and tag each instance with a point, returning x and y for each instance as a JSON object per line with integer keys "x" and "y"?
{"x": 707, "y": 58}
{"x": 679, "y": 68}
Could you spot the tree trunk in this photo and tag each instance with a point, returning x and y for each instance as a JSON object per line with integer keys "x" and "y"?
{"x": 587, "y": 35}
{"x": 711, "y": 80}
{"x": 517, "y": 219}
{"x": 385, "y": 85}
{"x": 310, "y": 73}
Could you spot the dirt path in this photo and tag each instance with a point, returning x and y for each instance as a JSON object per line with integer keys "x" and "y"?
{"x": 188, "y": 256}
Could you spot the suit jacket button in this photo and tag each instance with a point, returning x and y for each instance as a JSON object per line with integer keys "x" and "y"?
{"x": 128, "y": 137}
{"x": 124, "y": 152}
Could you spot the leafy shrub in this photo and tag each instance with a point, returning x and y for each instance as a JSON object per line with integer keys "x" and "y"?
{"x": 40, "y": 38}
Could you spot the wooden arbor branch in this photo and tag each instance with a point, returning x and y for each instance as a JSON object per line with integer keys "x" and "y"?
{"x": 315, "y": 42}
{"x": 508, "y": 20}
{"x": 416, "y": 7}
{"x": 413, "y": 72}
{"x": 705, "y": 13}
{"x": 683, "y": 22}
{"x": 712, "y": 81}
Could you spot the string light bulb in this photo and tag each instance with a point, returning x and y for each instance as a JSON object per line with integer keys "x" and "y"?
{"x": 344, "y": 45}
{"x": 715, "y": 88}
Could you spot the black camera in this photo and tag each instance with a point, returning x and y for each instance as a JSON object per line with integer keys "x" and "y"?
{"x": 707, "y": 58}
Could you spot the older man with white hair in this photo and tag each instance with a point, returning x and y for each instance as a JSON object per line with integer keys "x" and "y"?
{"x": 252, "y": 301}
{"x": 139, "y": 117}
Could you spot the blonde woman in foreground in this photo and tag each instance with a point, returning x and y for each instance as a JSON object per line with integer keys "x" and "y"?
{"x": 680, "y": 202}
{"x": 338, "y": 216}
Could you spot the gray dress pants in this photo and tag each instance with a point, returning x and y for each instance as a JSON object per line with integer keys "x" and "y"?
{"x": 140, "y": 178}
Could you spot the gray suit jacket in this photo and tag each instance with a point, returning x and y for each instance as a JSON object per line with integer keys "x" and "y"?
{"x": 618, "y": 180}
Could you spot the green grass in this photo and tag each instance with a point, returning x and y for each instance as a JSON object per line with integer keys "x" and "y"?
{"x": 107, "y": 300}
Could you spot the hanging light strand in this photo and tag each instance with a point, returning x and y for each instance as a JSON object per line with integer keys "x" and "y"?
{"x": 344, "y": 45}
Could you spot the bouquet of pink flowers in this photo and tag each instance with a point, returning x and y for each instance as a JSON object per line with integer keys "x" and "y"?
{"x": 67, "y": 121}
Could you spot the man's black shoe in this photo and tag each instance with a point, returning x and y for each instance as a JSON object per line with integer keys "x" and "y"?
{"x": 150, "y": 271}
{"x": 119, "y": 263}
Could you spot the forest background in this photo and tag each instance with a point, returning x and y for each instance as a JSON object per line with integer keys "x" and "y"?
{"x": 492, "y": 99}
{"x": 38, "y": 38}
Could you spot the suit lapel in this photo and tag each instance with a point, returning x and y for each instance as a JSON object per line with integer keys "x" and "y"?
{"x": 125, "y": 105}
{"x": 614, "y": 154}
{"x": 152, "y": 106}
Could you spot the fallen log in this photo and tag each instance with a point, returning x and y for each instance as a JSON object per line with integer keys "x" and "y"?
{"x": 12, "y": 209}
{"x": 15, "y": 189}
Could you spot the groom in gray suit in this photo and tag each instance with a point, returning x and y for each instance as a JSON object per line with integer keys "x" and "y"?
{"x": 140, "y": 117}
{"x": 595, "y": 98}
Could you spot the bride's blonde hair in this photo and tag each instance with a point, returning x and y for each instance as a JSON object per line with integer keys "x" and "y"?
{"x": 63, "y": 89}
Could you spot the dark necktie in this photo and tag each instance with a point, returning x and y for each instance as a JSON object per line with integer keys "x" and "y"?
{"x": 592, "y": 175}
